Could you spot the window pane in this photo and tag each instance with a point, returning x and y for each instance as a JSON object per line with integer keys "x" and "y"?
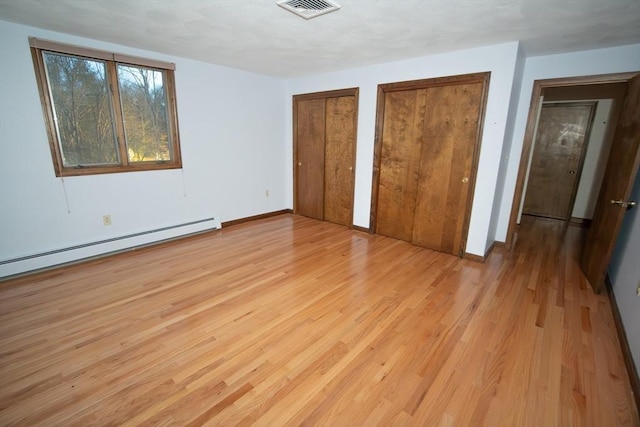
{"x": 144, "y": 106}
{"x": 82, "y": 110}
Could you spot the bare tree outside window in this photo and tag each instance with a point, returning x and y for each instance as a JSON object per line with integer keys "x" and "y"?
{"x": 105, "y": 115}
{"x": 145, "y": 114}
{"x": 82, "y": 110}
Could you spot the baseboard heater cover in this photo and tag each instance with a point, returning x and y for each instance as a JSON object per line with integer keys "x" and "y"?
{"x": 205, "y": 224}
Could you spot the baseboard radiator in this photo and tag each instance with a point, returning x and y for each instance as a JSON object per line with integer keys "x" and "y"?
{"x": 70, "y": 254}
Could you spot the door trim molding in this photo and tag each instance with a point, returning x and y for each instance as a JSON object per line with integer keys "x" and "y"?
{"x": 383, "y": 89}
{"x": 527, "y": 145}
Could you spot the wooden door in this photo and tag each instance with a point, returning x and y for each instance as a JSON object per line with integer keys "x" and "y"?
{"x": 340, "y": 137}
{"x": 452, "y": 116}
{"x": 558, "y": 154}
{"x": 425, "y": 158}
{"x": 400, "y": 162}
{"x": 617, "y": 183}
{"x": 324, "y": 154}
{"x": 310, "y": 158}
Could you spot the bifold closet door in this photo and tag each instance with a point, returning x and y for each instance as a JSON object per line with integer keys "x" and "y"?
{"x": 452, "y": 115}
{"x": 427, "y": 155}
{"x": 400, "y": 162}
{"x": 340, "y": 137}
{"x": 310, "y": 154}
{"x": 324, "y": 150}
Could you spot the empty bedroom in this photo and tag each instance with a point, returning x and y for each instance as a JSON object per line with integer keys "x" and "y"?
{"x": 315, "y": 212}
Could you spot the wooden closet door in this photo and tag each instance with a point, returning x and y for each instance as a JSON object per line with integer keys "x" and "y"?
{"x": 324, "y": 141}
{"x": 340, "y": 131}
{"x": 450, "y": 132}
{"x": 425, "y": 159}
{"x": 310, "y": 138}
{"x": 400, "y": 162}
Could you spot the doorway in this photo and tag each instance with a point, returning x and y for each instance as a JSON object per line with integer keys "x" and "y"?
{"x": 570, "y": 84}
{"x": 555, "y": 169}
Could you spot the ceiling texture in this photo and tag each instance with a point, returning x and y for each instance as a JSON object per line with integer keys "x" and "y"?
{"x": 259, "y": 36}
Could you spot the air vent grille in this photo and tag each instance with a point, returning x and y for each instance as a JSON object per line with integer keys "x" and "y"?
{"x": 309, "y": 8}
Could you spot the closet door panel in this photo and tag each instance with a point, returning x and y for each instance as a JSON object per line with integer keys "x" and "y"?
{"x": 339, "y": 151}
{"x": 450, "y": 133}
{"x": 462, "y": 174}
{"x": 402, "y": 135}
{"x": 310, "y": 158}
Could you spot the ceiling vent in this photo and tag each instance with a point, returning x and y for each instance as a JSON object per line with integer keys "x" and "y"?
{"x": 309, "y": 8}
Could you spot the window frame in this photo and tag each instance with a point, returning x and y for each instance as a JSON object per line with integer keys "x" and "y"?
{"x": 111, "y": 60}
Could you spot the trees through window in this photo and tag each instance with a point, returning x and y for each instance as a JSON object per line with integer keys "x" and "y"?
{"x": 106, "y": 112}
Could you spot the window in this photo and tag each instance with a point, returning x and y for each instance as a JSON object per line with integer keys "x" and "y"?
{"x": 106, "y": 112}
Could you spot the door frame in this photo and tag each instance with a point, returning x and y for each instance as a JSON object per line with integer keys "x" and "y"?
{"x": 383, "y": 89}
{"x": 583, "y": 152}
{"x": 527, "y": 145}
{"x": 323, "y": 95}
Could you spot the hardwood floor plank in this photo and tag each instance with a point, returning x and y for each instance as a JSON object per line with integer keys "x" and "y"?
{"x": 292, "y": 321}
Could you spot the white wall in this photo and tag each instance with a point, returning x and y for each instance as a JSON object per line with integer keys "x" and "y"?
{"x": 232, "y": 137}
{"x": 624, "y": 273}
{"x": 529, "y": 162}
{"x": 591, "y": 62}
{"x": 506, "y": 148}
{"x": 500, "y": 60}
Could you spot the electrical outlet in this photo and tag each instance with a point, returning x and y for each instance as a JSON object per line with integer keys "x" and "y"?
{"x": 106, "y": 219}
{"x": 266, "y": 193}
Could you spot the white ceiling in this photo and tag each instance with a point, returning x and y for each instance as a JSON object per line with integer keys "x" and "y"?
{"x": 259, "y": 36}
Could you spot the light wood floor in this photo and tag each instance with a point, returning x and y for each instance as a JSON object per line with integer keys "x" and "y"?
{"x": 292, "y": 321}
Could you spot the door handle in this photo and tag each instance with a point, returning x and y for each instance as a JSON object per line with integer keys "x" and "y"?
{"x": 624, "y": 204}
{"x": 572, "y": 172}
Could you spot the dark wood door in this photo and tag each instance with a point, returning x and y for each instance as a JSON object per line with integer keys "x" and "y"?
{"x": 425, "y": 159}
{"x": 310, "y": 137}
{"x": 617, "y": 183}
{"x": 558, "y": 154}
{"x": 452, "y": 116}
{"x": 400, "y": 162}
{"x": 340, "y": 137}
{"x": 324, "y": 154}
